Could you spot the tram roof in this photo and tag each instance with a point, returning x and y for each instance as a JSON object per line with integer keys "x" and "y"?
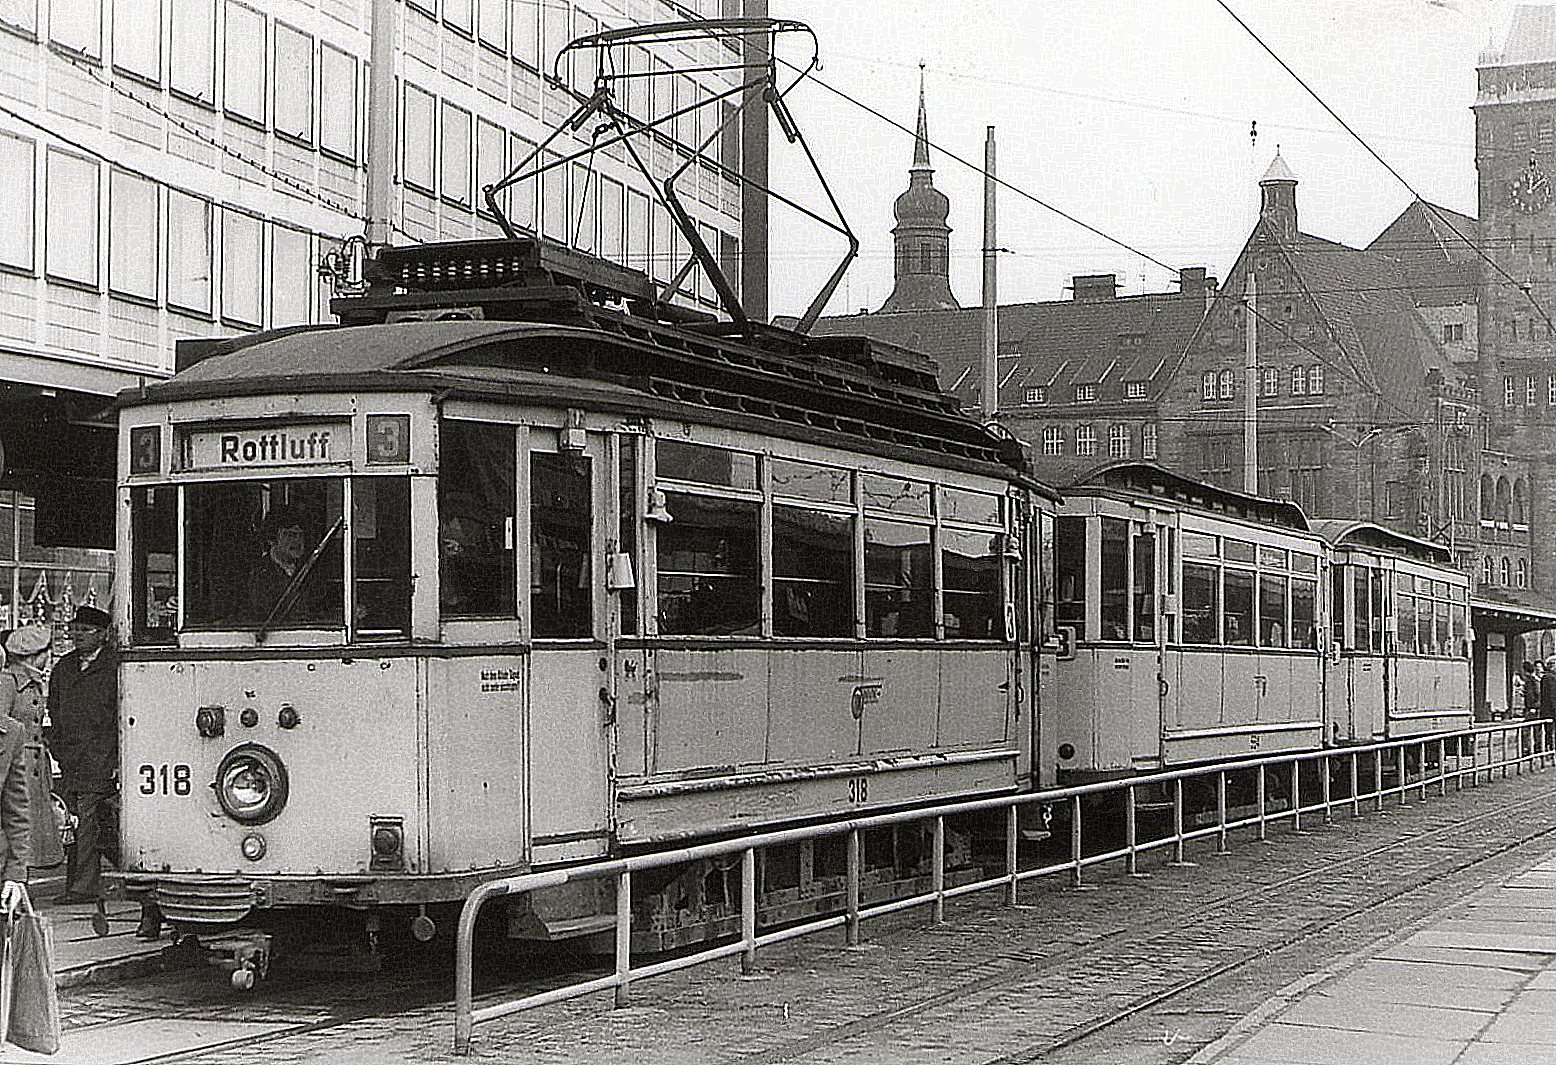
{"x": 853, "y": 397}
{"x": 1147, "y": 478}
{"x": 1343, "y": 532}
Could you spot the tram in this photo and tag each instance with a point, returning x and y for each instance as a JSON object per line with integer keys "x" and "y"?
{"x": 410, "y": 604}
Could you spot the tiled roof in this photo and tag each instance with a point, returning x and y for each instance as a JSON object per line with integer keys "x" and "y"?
{"x": 1430, "y": 244}
{"x": 1059, "y": 344}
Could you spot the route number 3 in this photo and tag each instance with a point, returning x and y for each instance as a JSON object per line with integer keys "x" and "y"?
{"x": 164, "y": 779}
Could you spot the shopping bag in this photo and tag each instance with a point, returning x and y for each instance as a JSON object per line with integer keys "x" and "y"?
{"x": 29, "y": 999}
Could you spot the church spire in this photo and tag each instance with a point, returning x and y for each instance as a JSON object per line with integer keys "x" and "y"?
{"x": 921, "y": 237}
{"x": 921, "y": 137}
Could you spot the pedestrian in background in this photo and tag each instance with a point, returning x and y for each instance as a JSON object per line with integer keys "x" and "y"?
{"x": 1548, "y": 693}
{"x": 22, "y": 700}
{"x": 84, "y": 726}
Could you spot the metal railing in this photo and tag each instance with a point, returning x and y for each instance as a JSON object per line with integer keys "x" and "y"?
{"x": 1481, "y": 751}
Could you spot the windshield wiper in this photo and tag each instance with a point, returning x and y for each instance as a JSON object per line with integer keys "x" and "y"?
{"x": 289, "y": 595}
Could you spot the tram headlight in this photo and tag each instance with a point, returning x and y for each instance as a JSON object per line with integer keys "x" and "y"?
{"x": 251, "y": 784}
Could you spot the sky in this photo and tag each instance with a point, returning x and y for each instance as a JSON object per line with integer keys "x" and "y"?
{"x": 1132, "y": 115}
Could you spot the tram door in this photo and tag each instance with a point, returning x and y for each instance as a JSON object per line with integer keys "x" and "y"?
{"x": 562, "y": 488}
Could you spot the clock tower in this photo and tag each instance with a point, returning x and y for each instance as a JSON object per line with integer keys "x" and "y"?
{"x": 1515, "y": 160}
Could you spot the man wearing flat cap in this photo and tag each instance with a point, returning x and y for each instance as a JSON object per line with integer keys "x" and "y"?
{"x": 84, "y": 713}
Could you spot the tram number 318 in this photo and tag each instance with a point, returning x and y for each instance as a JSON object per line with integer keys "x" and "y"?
{"x": 858, "y": 789}
{"x": 164, "y": 779}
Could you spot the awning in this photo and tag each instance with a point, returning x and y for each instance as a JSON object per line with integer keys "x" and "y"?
{"x": 1509, "y": 616}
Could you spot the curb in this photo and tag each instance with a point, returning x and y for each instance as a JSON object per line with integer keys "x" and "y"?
{"x": 103, "y": 972}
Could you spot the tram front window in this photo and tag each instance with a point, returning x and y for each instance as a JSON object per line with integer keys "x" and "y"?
{"x": 264, "y": 553}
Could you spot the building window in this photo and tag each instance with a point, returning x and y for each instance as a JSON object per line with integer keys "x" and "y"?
{"x": 419, "y": 138}
{"x": 137, "y": 38}
{"x": 1085, "y": 440}
{"x": 294, "y": 83}
{"x": 77, "y": 25}
{"x": 291, "y": 277}
{"x": 338, "y": 103}
{"x": 492, "y": 24}
{"x": 1453, "y": 332}
{"x": 1520, "y": 135}
{"x": 1505, "y": 571}
{"x": 243, "y": 81}
{"x": 1544, "y": 133}
{"x": 490, "y": 163}
{"x": 1522, "y": 579}
{"x": 1550, "y": 390}
{"x": 1134, "y": 390}
{"x": 23, "y": 16}
{"x": 1270, "y": 380}
{"x": 1226, "y": 384}
{"x": 1040, "y": 394}
{"x": 1085, "y": 393}
{"x": 1509, "y": 392}
{"x": 192, "y": 49}
{"x": 1487, "y": 576}
{"x": 1207, "y": 385}
{"x": 70, "y": 227}
{"x": 1148, "y": 440}
{"x": 455, "y": 142}
{"x": 1118, "y": 441}
{"x": 132, "y": 236}
{"x": 526, "y": 39}
{"x": 188, "y": 253}
{"x": 243, "y": 268}
{"x": 457, "y": 14}
{"x": 1315, "y": 381}
{"x": 1531, "y": 392}
{"x": 17, "y": 230}
{"x": 1298, "y": 381}
{"x": 1053, "y": 440}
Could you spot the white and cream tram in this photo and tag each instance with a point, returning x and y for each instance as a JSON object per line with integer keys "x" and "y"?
{"x": 1400, "y": 661}
{"x": 409, "y": 604}
{"x": 1190, "y": 621}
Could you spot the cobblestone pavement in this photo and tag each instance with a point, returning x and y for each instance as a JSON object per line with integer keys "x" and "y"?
{"x": 1147, "y": 969}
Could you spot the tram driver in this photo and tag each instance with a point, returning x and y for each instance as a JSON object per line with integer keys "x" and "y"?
{"x": 287, "y": 544}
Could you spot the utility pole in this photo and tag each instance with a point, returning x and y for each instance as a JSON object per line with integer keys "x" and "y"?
{"x": 380, "y": 126}
{"x": 991, "y": 325}
{"x": 1251, "y": 387}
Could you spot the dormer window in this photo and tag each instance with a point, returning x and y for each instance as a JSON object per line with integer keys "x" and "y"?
{"x": 1134, "y": 389}
{"x": 1085, "y": 393}
{"x": 1039, "y": 394}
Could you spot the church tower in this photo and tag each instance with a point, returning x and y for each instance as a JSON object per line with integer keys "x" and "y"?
{"x": 922, "y": 239}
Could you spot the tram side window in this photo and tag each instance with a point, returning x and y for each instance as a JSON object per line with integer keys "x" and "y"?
{"x": 898, "y": 582}
{"x": 1379, "y": 607}
{"x": 970, "y": 572}
{"x": 709, "y": 573}
{"x": 813, "y": 573}
{"x": 1304, "y": 614}
{"x": 1145, "y": 587}
{"x": 1070, "y": 570}
{"x": 1237, "y": 608}
{"x": 1272, "y": 610}
{"x": 154, "y": 564}
{"x": 561, "y": 557}
{"x": 629, "y": 507}
{"x": 1361, "y": 637}
{"x": 381, "y": 555}
{"x": 1440, "y": 624}
{"x": 1115, "y": 579}
{"x": 264, "y": 553}
{"x": 1460, "y": 648}
{"x": 475, "y": 519}
{"x": 1337, "y": 578}
{"x": 1407, "y": 625}
{"x": 1201, "y": 624}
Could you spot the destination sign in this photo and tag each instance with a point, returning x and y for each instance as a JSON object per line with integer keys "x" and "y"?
{"x": 307, "y": 444}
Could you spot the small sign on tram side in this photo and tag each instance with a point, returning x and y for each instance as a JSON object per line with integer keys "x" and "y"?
{"x": 296, "y": 444}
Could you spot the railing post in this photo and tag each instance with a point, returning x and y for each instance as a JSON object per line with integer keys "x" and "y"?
{"x": 623, "y": 937}
{"x": 748, "y": 909}
{"x": 1404, "y": 776}
{"x": 939, "y": 874}
{"x": 851, "y": 922}
{"x": 1502, "y": 740}
{"x": 1260, "y": 797}
{"x": 1131, "y": 833}
{"x": 464, "y": 962}
{"x": 1177, "y": 822}
{"x": 1296, "y": 795}
{"x": 1442, "y": 768}
{"x": 1010, "y": 855}
{"x": 1377, "y": 778}
{"x": 1327, "y": 787}
{"x": 1355, "y": 784}
{"x": 1221, "y": 844}
{"x": 1475, "y": 760}
{"x": 1075, "y": 840}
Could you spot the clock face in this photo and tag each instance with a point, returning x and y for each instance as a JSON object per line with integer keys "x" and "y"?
{"x": 1530, "y": 191}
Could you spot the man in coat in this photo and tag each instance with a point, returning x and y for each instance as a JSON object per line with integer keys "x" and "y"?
{"x": 1548, "y": 690}
{"x": 15, "y": 822}
{"x": 84, "y": 738}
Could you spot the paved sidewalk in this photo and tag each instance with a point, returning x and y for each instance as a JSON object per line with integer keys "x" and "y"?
{"x": 80, "y": 954}
{"x": 1473, "y": 985}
